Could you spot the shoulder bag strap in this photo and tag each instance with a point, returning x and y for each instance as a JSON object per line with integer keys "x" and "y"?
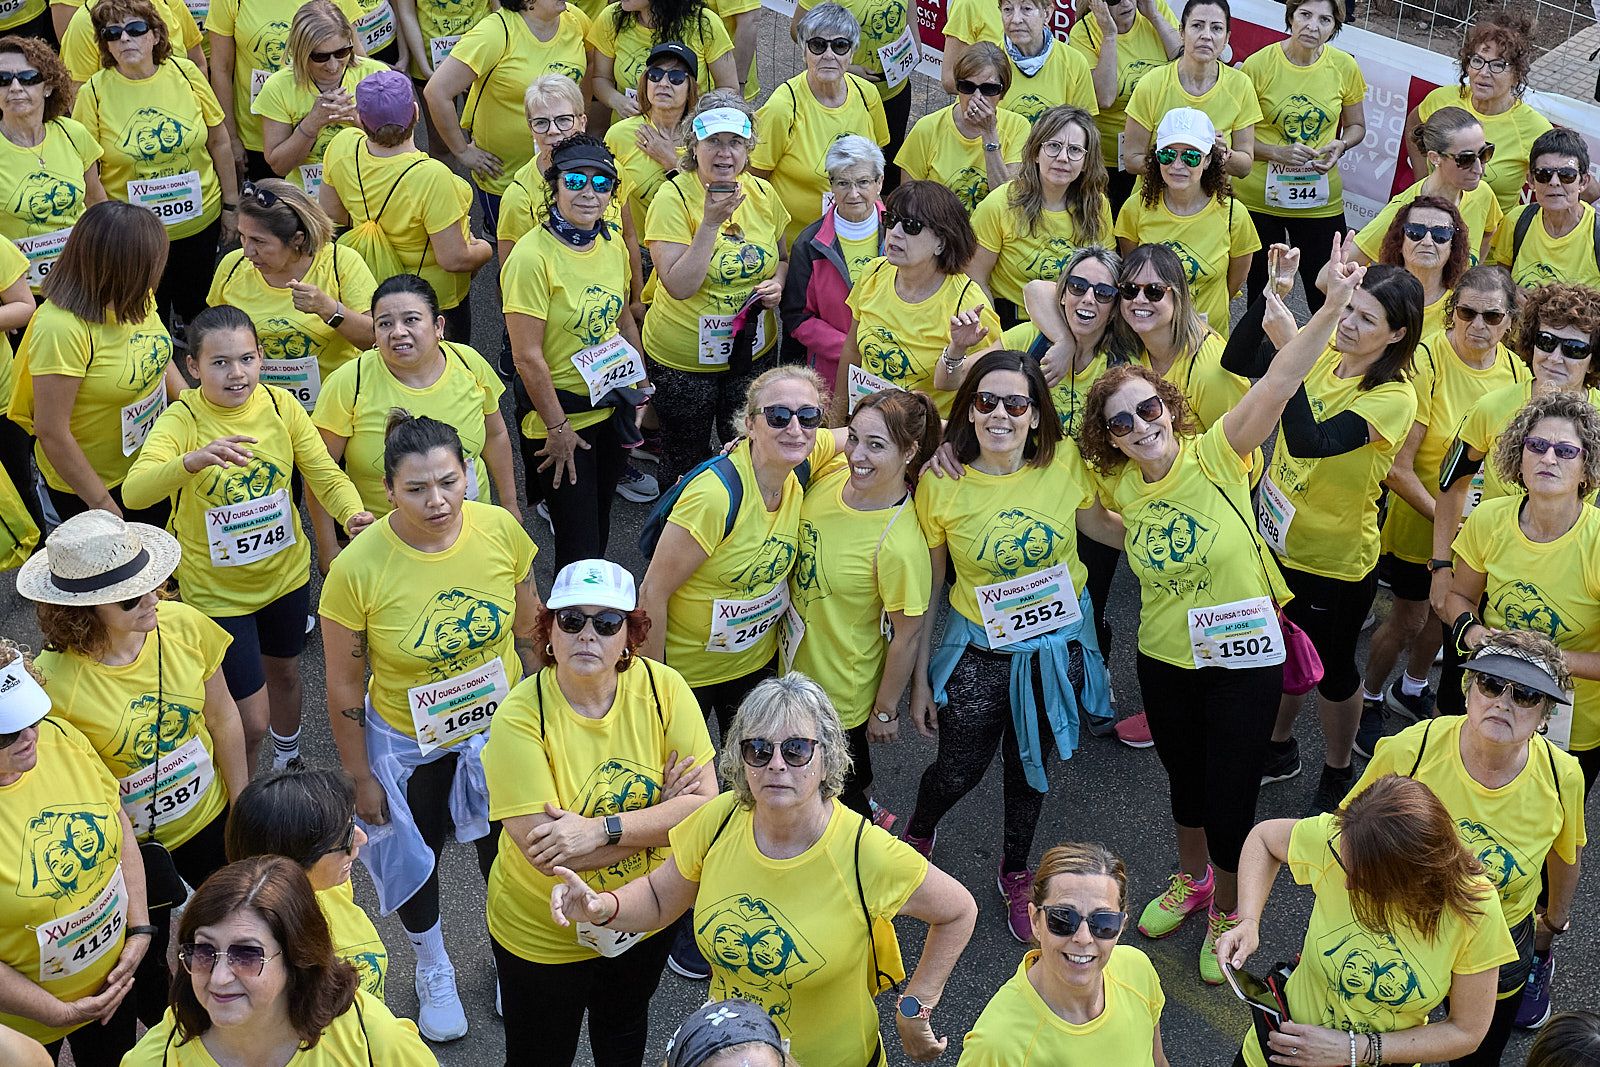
{"x": 654, "y": 695}
{"x": 1250, "y": 529}
{"x": 1426, "y": 730}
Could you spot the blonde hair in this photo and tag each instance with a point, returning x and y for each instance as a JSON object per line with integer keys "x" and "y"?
{"x": 550, "y": 89}
{"x": 772, "y": 707}
{"x": 315, "y": 21}
{"x": 295, "y": 214}
{"x": 786, "y": 372}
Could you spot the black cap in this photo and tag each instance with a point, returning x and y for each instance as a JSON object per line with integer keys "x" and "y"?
{"x": 570, "y": 156}
{"x": 676, "y": 50}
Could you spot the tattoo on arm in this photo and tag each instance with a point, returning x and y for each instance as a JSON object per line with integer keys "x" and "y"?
{"x": 358, "y": 650}
{"x": 356, "y": 715}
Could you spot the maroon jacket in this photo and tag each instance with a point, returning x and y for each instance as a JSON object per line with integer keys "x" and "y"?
{"x": 815, "y": 316}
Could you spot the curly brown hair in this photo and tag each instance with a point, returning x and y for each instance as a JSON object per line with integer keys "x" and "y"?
{"x": 1394, "y": 238}
{"x": 10, "y": 650}
{"x": 106, "y": 12}
{"x": 638, "y": 629}
{"x": 1509, "y": 33}
{"x": 1214, "y": 180}
{"x": 1553, "y": 307}
{"x": 72, "y": 628}
{"x": 1574, "y": 408}
{"x": 1095, "y": 441}
{"x": 43, "y": 58}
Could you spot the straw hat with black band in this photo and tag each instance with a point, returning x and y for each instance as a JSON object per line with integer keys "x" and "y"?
{"x": 98, "y": 558}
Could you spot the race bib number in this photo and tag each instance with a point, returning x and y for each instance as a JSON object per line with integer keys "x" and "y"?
{"x": 173, "y": 199}
{"x": 258, "y": 78}
{"x": 1025, "y": 607}
{"x": 1296, "y": 188}
{"x": 716, "y": 338}
{"x": 139, "y": 416}
{"x": 311, "y": 177}
{"x": 445, "y": 712}
{"x": 42, "y": 252}
{"x": 74, "y": 942}
{"x": 791, "y": 631}
{"x": 254, "y": 530}
{"x": 1474, "y": 495}
{"x": 605, "y": 367}
{"x": 302, "y": 377}
{"x": 376, "y": 27}
{"x": 740, "y": 624}
{"x": 439, "y": 48}
{"x": 1242, "y": 634}
{"x": 1274, "y": 513}
{"x": 1557, "y": 729}
{"x": 608, "y": 943}
{"x": 200, "y": 10}
{"x": 1119, "y": 152}
{"x": 185, "y": 776}
{"x": 864, "y": 383}
{"x": 899, "y": 58}
{"x": 11, "y": 7}
{"x": 472, "y": 477}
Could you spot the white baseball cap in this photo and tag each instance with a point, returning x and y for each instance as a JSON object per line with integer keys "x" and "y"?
{"x": 593, "y": 581}
{"x": 23, "y": 701}
{"x": 1188, "y": 126}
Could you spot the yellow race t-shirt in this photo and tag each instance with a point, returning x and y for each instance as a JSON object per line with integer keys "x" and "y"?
{"x": 936, "y": 151}
{"x": 1210, "y": 389}
{"x": 1205, "y": 243}
{"x": 285, "y": 100}
{"x": 1512, "y": 132}
{"x": 1072, "y": 391}
{"x": 859, "y": 252}
{"x": 1510, "y": 829}
{"x": 431, "y": 617}
{"x": 260, "y": 32}
{"x": 1485, "y": 421}
{"x": 853, "y": 566}
{"x": 1065, "y": 78}
{"x": 789, "y": 934}
{"x": 1299, "y": 105}
{"x": 546, "y": 752}
{"x": 21, "y": 12}
{"x": 80, "y": 52}
{"x": 366, "y": 1028}
{"x": 1031, "y": 253}
{"x": 523, "y": 206}
{"x": 374, "y": 25}
{"x": 1333, "y": 497}
{"x": 442, "y": 23}
{"x": 357, "y": 398}
{"x": 1543, "y": 259}
{"x": 153, "y": 706}
{"x": 13, "y": 268}
{"x": 42, "y": 192}
{"x": 1018, "y": 1029}
{"x": 355, "y": 939}
{"x": 1351, "y": 978}
{"x": 885, "y": 29}
{"x": 971, "y": 21}
{"x": 1479, "y": 210}
{"x": 630, "y": 48}
{"x": 639, "y": 175}
{"x": 1139, "y": 51}
{"x": 901, "y": 342}
{"x": 1231, "y": 102}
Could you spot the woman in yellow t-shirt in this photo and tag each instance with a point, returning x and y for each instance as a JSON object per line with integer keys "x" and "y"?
{"x": 1054, "y": 1011}
{"x": 887, "y": 31}
{"x": 309, "y": 297}
{"x": 165, "y": 148}
{"x": 1517, "y": 801}
{"x": 225, "y": 454}
{"x": 1211, "y": 650}
{"x": 779, "y": 896}
{"x": 646, "y": 145}
{"x": 1428, "y": 237}
{"x": 1392, "y": 855}
{"x": 49, "y": 164}
{"x": 282, "y": 981}
{"x": 438, "y": 597}
{"x": 142, "y": 679}
{"x": 94, "y": 369}
{"x": 309, "y": 815}
{"x": 1045, "y": 71}
{"x": 918, "y": 316}
{"x": 974, "y": 146}
{"x": 1029, "y": 227}
{"x": 1556, "y": 239}
{"x": 592, "y": 763}
{"x": 624, "y": 33}
{"x": 80, "y": 49}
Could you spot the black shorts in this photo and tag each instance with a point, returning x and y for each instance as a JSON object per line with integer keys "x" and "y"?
{"x": 1331, "y": 611}
{"x": 1407, "y": 580}
{"x": 277, "y": 630}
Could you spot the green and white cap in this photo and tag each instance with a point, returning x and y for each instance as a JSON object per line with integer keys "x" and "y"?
{"x": 597, "y": 582}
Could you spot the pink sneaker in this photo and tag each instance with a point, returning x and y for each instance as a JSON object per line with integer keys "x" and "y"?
{"x": 923, "y": 845}
{"x": 1014, "y": 887}
{"x": 882, "y": 816}
{"x": 1184, "y": 897}
{"x": 1134, "y": 731}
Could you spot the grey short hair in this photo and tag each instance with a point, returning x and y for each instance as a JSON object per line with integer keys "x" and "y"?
{"x": 828, "y": 20}
{"x": 793, "y": 701}
{"x": 853, "y": 150}
{"x": 708, "y": 101}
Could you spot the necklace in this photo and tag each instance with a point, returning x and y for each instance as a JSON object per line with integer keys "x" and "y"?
{"x": 37, "y": 148}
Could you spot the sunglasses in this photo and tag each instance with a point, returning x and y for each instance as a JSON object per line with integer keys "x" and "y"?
{"x": 1016, "y": 404}
{"x": 7, "y": 740}
{"x": 1103, "y": 293}
{"x": 1153, "y": 291}
{"x": 1057, "y": 149}
{"x": 1545, "y": 341}
{"x": 341, "y": 54}
{"x": 1465, "y": 160}
{"x": 989, "y": 89}
{"x": 911, "y": 226}
{"x": 1063, "y": 921}
{"x": 797, "y": 751}
{"x": 1191, "y": 156}
{"x": 676, "y": 77}
{"x": 198, "y": 957}
{"x": 560, "y": 123}
{"x": 1521, "y": 695}
{"x": 1490, "y": 318}
{"x": 1538, "y": 446}
{"x": 839, "y": 46}
{"x": 261, "y": 196}
{"x": 1545, "y": 175}
{"x": 1494, "y": 66}
{"x": 133, "y": 28}
{"x": 1416, "y": 231}
{"x": 21, "y": 77}
{"x": 607, "y": 621}
{"x": 1149, "y": 410}
{"x": 778, "y": 415}
{"x": 345, "y": 844}
{"x": 131, "y": 604}
{"x": 576, "y": 182}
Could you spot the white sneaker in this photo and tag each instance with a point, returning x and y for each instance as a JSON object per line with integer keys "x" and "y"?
{"x": 440, "y": 1016}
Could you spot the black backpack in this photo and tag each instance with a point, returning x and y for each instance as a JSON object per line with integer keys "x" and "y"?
{"x": 728, "y": 474}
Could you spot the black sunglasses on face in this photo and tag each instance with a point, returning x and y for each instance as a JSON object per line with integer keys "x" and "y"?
{"x": 796, "y": 751}
{"x": 1016, "y": 404}
{"x": 264, "y": 197}
{"x": 1492, "y": 318}
{"x": 131, "y": 604}
{"x": 778, "y": 416}
{"x": 7, "y": 740}
{"x": 22, "y": 77}
{"x": 133, "y": 28}
{"x": 1545, "y": 175}
{"x": 346, "y": 843}
{"x": 607, "y": 621}
{"x": 1538, "y": 446}
{"x": 911, "y": 226}
{"x": 1416, "y": 231}
{"x": 1103, "y": 293}
{"x": 1153, "y": 291}
{"x": 989, "y": 89}
{"x": 1521, "y": 695}
{"x": 1063, "y": 921}
{"x": 1465, "y": 160}
{"x": 671, "y": 74}
{"x": 1545, "y": 341}
{"x": 1149, "y": 410}
{"x": 840, "y": 46}
{"x": 340, "y": 54}
{"x": 198, "y": 957}
{"x": 1191, "y": 156}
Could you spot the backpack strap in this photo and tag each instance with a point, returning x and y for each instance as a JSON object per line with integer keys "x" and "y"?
{"x": 1597, "y": 241}
{"x": 654, "y": 695}
{"x": 1426, "y": 730}
{"x": 1550, "y": 756}
{"x": 366, "y": 1039}
{"x": 1520, "y": 231}
{"x": 861, "y": 897}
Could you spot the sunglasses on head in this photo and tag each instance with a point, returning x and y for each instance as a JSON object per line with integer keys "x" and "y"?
{"x": 198, "y": 957}
{"x": 560, "y": 123}
{"x": 796, "y": 751}
{"x": 133, "y": 28}
{"x": 778, "y": 415}
{"x": 1016, "y": 405}
{"x": 1521, "y": 695}
{"x": 1103, "y": 293}
{"x": 671, "y": 74}
{"x": 839, "y": 46}
{"x": 990, "y": 89}
{"x": 607, "y": 621}
{"x": 1538, "y": 446}
{"x": 341, "y": 54}
{"x": 1465, "y": 160}
{"x": 1545, "y": 175}
{"x": 1064, "y": 920}
{"x": 1153, "y": 291}
{"x": 1149, "y": 410}
{"x": 264, "y": 197}
{"x": 1545, "y": 341}
{"x": 22, "y": 77}
{"x": 1191, "y": 156}
{"x": 575, "y": 182}
{"x": 1416, "y": 231}
{"x": 909, "y": 225}
{"x": 1490, "y": 318}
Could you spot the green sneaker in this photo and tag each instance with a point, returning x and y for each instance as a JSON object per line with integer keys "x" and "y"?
{"x": 1184, "y": 897}
{"x": 1217, "y": 924}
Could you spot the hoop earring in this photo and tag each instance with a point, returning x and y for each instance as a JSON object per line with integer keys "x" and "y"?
{"x": 549, "y": 652}
{"x": 625, "y": 660}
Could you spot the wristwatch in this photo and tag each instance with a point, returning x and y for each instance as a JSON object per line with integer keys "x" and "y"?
{"x": 991, "y": 146}
{"x": 912, "y": 1008}
{"x": 613, "y": 829}
{"x": 885, "y": 717}
{"x": 1436, "y": 565}
{"x": 336, "y": 319}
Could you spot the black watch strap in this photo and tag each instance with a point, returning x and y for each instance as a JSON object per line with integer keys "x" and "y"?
{"x": 613, "y": 829}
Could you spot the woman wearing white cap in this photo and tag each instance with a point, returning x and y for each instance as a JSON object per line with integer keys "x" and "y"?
{"x": 592, "y": 761}
{"x": 79, "y": 867}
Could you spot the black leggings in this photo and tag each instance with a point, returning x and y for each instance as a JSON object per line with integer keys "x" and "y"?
{"x": 1331, "y": 611}
{"x": 581, "y": 512}
{"x": 458, "y": 321}
{"x": 1211, "y": 726}
{"x": 858, "y": 783}
{"x": 897, "y": 110}
{"x": 16, "y": 456}
{"x": 69, "y": 504}
{"x": 694, "y": 408}
{"x": 428, "y": 797}
{"x": 1119, "y": 185}
{"x": 191, "y": 261}
{"x": 94, "y": 1045}
{"x": 1314, "y": 239}
{"x": 1100, "y": 560}
{"x": 724, "y": 698}
{"x": 196, "y": 859}
{"x": 545, "y": 1004}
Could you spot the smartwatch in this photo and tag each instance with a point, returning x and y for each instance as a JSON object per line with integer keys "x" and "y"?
{"x": 613, "y": 829}
{"x": 912, "y": 1008}
{"x": 336, "y": 319}
{"x": 1437, "y": 565}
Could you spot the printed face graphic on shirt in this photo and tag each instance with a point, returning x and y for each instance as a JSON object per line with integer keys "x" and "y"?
{"x": 971, "y": 185}
{"x": 235, "y": 485}
{"x": 148, "y": 355}
{"x": 44, "y": 198}
{"x": 1029, "y": 105}
{"x": 595, "y": 318}
{"x": 456, "y": 629}
{"x": 144, "y": 733}
{"x": 884, "y": 23}
{"x": 1173, "y": 544}
{"x": 809, "y": 580}
{"x": 1192, "y": 267}
{"x": 1530, "y": 275}
{"x": 1373, "y": 976}
{"x": 1048, "y": 263}
{"x": 757, "y": 953}
{"x": 283, "y": 339}
{"x": 1302, "y": 120}
{"x": 1524, "y": 606}
{"x": 566, "y": 70}
{"x": 369, "y": 970}
{"x": 616, "y": 786}
{"x": 152, "y": 134}
{"x": 735, "y": 260}
{"x": 882, "y": 354}
{"x": 1500, "y": 862}
{"x": 1018, "y": 541}
{"x": 1130, "y": 77}
{"x": 769, "y": 566}
{"x": 61, "y": 848}
{"x": 270, "y": 46}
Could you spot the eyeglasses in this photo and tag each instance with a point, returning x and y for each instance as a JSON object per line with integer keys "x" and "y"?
{"x": 911, "y": 226}
{"x": 345, "y": 844}
{"x": 264, "y": 197}
{"x": 133, "y": 28}
{"x": 1153, "y": 291}
{"x": 1063, "y": 921}
{"x": 22, "y": 77}
{"x": 1149, "y": 410}
{"x": 1103, "y": 293}
{"x": 1538, "y": 446}
{"x": 1057, "y": 149}
{"x": 1545, "y": 175}
{"x": 796, "y": 751}
{"x": 859, "y": 185}
{"x": 671, "y": 74}
{"x": 576, "y": 182}
{"x": 341, "y": 54}
{"x": 607, "y": 621}
{"x": 1521, "y": 695}
{"x": 1416, "y": 231}
{"x": 1465, "y": 314}
{"x": 989, "y": 89}
{"x": 778, "y": 415}
{"x": 839, "y": 46}
{"x": 1016, "y": 404}
{"x": 1494, "y": 66}
{"x": 198, "y": 957}
{"x": 1191, "y": 156}
{"x": 560, "y": 123}
{"x": 1465, "y": 160}
{"x": 1545, "y": 341}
